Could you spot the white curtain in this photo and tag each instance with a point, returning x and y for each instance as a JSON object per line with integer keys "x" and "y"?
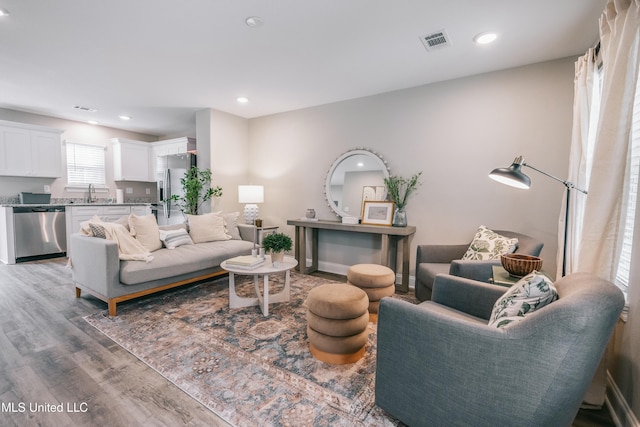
{"x": 605, "y": 209}
{"x": 584, "y": 124}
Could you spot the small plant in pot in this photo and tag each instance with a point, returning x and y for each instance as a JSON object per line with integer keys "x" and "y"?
{"x": 276, "y": 245}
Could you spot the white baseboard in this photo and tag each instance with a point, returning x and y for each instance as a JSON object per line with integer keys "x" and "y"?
{"x": 621, "y": 412}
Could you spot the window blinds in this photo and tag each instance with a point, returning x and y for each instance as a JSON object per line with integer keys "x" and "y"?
{"x": 624, "y": 265}
{"x": 85, "y": 164}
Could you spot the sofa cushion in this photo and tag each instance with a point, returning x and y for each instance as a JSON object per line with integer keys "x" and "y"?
{"x": 207, "y": 228}
{"x": 185, "y": 259}
{"x": 145, "y": 230}
{"x": 123, "y": 220}
{"x": 489, "y": 245}
{"x": 529, "y": 294}
{"x": 174, "y": 238}
{"x": 231, "y": 224}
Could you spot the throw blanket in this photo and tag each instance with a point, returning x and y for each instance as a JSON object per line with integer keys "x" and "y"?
{"x": 129, "y": 248}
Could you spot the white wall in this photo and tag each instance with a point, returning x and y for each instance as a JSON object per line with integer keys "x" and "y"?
{"x": 226, "y": 154}
{"x": 455, "y": 132}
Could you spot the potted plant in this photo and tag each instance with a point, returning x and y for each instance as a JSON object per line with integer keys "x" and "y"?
{"x": 399, "y": 190}
{"x": 276, "y": 244}
{"x": 194, "y": 185}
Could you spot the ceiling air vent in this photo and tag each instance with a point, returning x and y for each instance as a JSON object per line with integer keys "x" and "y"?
{"x": 436, "y": 40}
{"x": 80, "y": 107}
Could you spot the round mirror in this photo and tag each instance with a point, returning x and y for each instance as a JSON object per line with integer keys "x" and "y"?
{"x": 354, "y": 177}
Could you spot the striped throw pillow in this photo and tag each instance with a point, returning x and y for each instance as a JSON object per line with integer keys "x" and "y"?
{"x": 174, "y": 238}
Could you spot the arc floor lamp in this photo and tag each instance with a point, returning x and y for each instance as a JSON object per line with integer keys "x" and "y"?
{"x": 514, "y": 177}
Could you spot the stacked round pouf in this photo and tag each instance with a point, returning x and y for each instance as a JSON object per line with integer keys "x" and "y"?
{"x": 376, "y": 280}
{"x": 337, "y": 322}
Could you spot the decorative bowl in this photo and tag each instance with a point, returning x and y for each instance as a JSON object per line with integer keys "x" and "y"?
{"x": 520, "y": 265}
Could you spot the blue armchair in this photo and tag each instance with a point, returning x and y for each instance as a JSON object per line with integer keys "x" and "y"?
{"x": 440, "y": 364}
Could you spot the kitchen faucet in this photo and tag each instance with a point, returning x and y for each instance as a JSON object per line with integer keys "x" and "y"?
{"x": 92, "y": 193}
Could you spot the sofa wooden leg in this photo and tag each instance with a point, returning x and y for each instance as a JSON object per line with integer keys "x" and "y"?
{"x": 78, "y": 292}
{"x": 112, "y": 308}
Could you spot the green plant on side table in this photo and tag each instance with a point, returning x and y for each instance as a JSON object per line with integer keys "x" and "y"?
{"x": 194, "y": 185}
{"x": 277, "y": 244}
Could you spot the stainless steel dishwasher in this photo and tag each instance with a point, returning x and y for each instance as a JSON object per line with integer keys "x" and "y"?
{"x": 40, "y": 232}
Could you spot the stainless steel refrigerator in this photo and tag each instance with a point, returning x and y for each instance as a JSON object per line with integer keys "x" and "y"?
{"x": 169, "y": 170}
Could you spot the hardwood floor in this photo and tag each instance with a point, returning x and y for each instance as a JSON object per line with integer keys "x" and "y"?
{"x": 50, "y": 355}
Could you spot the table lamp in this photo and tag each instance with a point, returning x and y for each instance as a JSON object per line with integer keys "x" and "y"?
{"x": 250, "y": 195}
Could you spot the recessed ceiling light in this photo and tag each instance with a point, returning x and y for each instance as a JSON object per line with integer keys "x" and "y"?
{"x": 4, "y": 12}
{"x": 242, "y": 99}
{"x": 125, "y": 117}
{"x": 92, "y": 122}
{"x": 254, "y": 22}
{"x": 485, "y": 38}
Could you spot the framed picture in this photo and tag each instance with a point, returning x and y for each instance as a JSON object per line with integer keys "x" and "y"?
{"x": 377, "y": 213}
{"x": 373, "y": 193}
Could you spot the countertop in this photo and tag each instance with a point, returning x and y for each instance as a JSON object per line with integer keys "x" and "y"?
{"x": 31, "y": 205}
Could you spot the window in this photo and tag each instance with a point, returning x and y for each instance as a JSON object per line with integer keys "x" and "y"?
{"x": 624, "y": 265}
{"x": 85, "y": 165}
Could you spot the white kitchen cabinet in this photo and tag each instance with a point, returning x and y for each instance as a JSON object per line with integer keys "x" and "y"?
{"x": 173, "y": 146}
{"x": 132, "y": 161}
{"x": 46, "y": 154}
{"x": 169, "y": 147}
{"x": 115, "y": 212}
{"x": 30, "y": 151}
{"x": 141, "y": 210}
{"x": 7, "y": 246}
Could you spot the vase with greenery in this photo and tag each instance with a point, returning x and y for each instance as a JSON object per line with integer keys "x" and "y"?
{"x": 197, "y": 190}
{"x": 277, "y": 244}
{"x": 399, "y": 190}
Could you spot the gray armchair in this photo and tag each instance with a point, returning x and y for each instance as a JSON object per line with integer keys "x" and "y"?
{"x": 432, "y": 260}
{"x": 440, "y": 364}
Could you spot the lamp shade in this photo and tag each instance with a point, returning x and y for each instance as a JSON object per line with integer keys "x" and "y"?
{"x": 512, "y": 175}
{"x": 250, "y": 194}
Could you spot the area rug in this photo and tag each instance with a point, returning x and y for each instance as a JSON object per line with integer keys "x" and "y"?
{"x": 247, "y": 368}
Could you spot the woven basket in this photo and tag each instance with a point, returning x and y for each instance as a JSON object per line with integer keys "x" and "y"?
{"x": 519, "y": 264}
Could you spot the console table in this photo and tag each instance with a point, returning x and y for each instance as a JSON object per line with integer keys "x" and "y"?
{"x": 398, "y": 234}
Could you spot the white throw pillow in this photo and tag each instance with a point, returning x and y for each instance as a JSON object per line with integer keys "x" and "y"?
{"x": 145, "y": 230}
{"x": 207, "y": 228}
{"x": 174, "y": 238}
{"x": 231, "y": 224}
{"x": 489, "y": 245}
{"x": 532, "y": 292}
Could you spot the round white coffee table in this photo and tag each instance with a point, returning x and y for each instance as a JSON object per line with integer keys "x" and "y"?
{"x": 262, "y": 299}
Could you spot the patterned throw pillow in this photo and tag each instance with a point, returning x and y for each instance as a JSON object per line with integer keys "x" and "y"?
{"x": 530, "y": 293}
{"x": 174, "y": 238}
{"x": 97, "y": 230}
{"x": 489, "y": 245}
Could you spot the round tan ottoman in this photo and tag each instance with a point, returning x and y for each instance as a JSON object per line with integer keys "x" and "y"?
{"x": 376, "y": 280}
{"x": 337, "y": 321}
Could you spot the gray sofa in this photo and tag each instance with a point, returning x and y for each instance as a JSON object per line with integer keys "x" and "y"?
{"x": 440, "y": 364}
{"x": 432, "y": 260}
{"x": 97, "y": 269}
